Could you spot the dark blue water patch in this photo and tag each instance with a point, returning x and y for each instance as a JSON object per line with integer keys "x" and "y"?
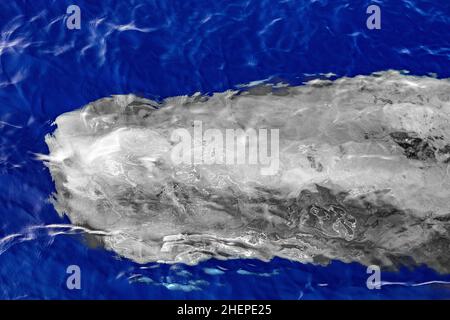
{"x": 163, "y": 48}
{"x": 180, "y": 47}
{"x": 104, "y": 276}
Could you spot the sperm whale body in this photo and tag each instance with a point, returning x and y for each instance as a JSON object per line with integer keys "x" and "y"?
{"x": 362, "y": 173}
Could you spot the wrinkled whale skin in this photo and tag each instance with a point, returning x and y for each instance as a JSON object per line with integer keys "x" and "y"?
{"x": 363, "y": 175}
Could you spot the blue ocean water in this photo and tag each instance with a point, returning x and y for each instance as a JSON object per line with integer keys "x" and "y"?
{"x": 161, "y": 48}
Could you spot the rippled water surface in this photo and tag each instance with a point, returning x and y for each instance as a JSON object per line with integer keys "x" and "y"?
{"x": 158, "y": 49}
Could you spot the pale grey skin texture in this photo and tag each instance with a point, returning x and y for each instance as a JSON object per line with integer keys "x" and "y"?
{"x": 363, "y": 174}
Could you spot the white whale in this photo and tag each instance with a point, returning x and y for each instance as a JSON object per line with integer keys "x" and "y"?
{"x": 363, "y": 174}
